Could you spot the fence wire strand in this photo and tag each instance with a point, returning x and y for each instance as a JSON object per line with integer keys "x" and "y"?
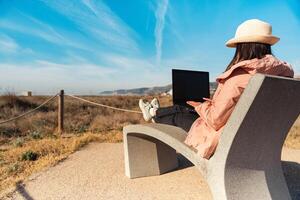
{"x": 102, "y": 105}
{"x": 29, "y": 112}
{"x": 75, "y": 97}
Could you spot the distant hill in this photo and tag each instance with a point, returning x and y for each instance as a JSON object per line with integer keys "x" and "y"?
{"x": 139, "y": 91}
{"x": 146, "y": 90}
{"x": 156, "y": 90}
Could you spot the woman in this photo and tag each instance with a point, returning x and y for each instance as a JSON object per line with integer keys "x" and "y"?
{"x": 253, "y": 40}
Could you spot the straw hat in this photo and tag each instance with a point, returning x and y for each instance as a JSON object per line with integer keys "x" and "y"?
{"x": 253, "y": 30}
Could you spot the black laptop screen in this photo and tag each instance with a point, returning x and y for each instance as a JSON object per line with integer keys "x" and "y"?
{"x": 189, "y": 86}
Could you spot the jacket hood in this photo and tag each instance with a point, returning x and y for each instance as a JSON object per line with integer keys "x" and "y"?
{"x": 266, "y": 65}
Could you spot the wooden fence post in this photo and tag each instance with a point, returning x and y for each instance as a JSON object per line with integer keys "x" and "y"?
{"x": 61, "y": 112}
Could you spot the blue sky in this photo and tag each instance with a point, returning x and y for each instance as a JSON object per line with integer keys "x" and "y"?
{"x": 87, "y": 46}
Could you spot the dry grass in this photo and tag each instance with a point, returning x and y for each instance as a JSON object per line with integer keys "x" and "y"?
{"x": 84, "y": 123}
{"x": 293, "y": 138}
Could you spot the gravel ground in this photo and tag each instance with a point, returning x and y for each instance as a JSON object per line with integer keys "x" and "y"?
{"x": 97, "y": 172}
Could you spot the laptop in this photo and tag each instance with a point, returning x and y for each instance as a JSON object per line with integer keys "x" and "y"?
{"x": 189, "y": 85}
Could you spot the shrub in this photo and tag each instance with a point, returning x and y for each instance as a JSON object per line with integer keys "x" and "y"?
{"x": 10, "y": 99}
{"x": 36, "y": 135}
{"x": 29, "y": 155}
{"x": 18, "y": 142}
{"x": 81, "y": 129}
{"x": 9, "y": 131}
{"x": 13, "y": 168}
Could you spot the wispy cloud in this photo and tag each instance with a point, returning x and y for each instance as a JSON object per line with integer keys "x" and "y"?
{"x": 96, "y": 20}
{"x": 7, "y": 44}
{"x": 41, "y": 30}
{"x": 159, "y": 27}
{"x": 136, "y": 72}
{"x": 294, "y": 7}
{"x": 174, "y": 23}
{"x": 86, "y": 46}
{"x": 128, "y": 63}
{"x": 44, "y": 77}
{"x": 113, "y": 61}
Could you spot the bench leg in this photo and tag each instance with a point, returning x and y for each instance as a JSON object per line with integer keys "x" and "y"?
{"x": 256, "y": 184}
{"x": 247, "y": 184}
{"x": 147, "y": 156}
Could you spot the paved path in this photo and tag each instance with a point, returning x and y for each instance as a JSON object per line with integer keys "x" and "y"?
{"x": 97, "y": 172}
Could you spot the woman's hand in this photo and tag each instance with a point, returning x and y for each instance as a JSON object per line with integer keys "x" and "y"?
{"x": 193, "y": 103}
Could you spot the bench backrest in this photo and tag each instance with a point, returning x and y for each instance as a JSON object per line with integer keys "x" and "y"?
{"x": 259, "y": 124}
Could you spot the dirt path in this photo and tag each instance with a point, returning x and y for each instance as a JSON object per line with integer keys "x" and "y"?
{"x": 97, "y": 172}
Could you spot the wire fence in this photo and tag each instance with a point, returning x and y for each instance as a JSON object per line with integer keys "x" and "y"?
{"x": 102, "y": 105}
{"x": 29, "y": 112}
{"x": 60, "y": 108}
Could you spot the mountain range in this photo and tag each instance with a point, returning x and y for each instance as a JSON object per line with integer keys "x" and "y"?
{"x": 147, "y": 90}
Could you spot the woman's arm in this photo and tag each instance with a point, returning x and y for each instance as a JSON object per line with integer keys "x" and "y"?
{"x": 216, "y": 112}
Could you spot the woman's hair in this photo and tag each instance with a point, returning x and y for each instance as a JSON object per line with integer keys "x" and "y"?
{"x": 247, "y": 51}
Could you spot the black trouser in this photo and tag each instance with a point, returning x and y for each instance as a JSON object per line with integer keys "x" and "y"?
{"x": 176, "y": 115}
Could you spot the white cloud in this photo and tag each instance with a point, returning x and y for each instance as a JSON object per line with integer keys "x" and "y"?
{"x": 137, "y": 72}
{"x": 40, "y": 30}
{"x": 159, "y": 27}
{"x": 45, "y": 77}
{"x": 97, "y": 20}
{"x": 122, "y": 66}
{"x": 128, "y": 63}
{"x": 7, "y": 44}
{"x": 174, "y": 24}
{"x": 28, "y": 30}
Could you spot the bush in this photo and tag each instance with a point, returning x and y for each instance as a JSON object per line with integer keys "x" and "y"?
{"x": 29, "y": 155}
{"x": 82, "y": 129}
{"x": 36, "y": 135}
{"x": 13, "y": 168}
{"x": 18, "y": 142}
{"x": 11, "y": 100}
{"x": 9, "y": 131}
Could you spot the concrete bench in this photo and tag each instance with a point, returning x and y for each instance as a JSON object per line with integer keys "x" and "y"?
{"x": 247, "y": 162}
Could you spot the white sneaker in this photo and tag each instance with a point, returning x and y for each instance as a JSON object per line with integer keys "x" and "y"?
{"x": 152, "y": 111}
{"x": 145, "y": 108}
{"x": 155, "y": 103}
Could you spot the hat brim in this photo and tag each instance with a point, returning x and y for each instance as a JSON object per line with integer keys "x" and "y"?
{"x": 269, "y": 39}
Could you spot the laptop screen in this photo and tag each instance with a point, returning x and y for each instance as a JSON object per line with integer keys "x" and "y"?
{"x": 189, "y": 86}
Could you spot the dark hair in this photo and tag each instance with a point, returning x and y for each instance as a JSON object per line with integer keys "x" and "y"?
{"x": 249, "y": 50}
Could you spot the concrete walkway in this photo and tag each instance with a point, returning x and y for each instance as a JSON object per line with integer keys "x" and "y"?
{"x": 97, "y": 172}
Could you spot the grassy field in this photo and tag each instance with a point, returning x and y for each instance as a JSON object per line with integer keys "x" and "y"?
{"x": 31, "y": 144}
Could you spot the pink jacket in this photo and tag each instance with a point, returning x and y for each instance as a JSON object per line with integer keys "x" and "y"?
{"x": 205, "y": 132}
